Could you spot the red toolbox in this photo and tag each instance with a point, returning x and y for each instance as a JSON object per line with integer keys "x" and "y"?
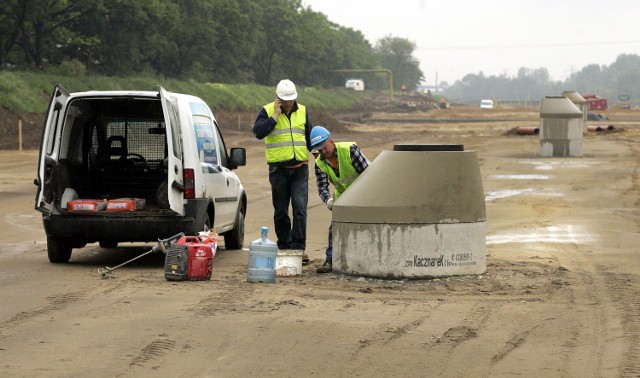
{"x": 189, "y": 259}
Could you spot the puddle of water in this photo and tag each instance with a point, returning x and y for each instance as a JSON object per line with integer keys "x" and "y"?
{"x": 547, "y": 165}
{"x": 563, "y": 234}
{"x": 505, "y": 193}
{"x": 522, "y": 177}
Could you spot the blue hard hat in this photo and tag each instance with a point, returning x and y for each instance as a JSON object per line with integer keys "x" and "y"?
{"x": 319, "y": 135}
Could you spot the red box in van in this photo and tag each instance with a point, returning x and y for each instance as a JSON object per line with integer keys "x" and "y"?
{"x": 86, "y": 205}
{"x": 126, "y": 204}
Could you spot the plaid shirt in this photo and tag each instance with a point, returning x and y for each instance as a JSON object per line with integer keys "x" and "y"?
{"x": 359, "y": 162}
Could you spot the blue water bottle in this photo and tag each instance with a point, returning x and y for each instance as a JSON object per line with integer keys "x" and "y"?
{"x": 262, "y": 259}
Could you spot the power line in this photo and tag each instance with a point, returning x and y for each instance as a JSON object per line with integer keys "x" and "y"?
{"x": 529, "y": 46}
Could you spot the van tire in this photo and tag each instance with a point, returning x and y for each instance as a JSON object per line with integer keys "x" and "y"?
{"x": 58, "y": 249}
{"x": 234, "y": 239}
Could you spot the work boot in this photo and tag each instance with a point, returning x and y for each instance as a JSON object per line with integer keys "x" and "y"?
{"x": 325, "y": 268}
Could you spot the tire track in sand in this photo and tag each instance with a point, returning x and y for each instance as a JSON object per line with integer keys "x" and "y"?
{"x": 625, "y": 289}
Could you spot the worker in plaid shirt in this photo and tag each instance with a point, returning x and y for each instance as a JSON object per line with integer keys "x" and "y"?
{"x": 339, "y": 164}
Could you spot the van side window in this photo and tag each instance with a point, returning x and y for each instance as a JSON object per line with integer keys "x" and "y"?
{"x": 175, "y": 129}
{"x": 205, "y": 139}
{"x": 53, "y": 130}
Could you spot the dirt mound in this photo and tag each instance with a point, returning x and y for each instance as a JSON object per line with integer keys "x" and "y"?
{"x": 330, "y": 120}
{"x": 9, "y": 130}
{"x": 32, "y": 125}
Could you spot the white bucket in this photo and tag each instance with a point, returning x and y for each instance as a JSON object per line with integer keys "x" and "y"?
{"x": 289, "y": 263}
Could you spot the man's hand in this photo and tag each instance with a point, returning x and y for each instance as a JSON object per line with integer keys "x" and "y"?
{"x": 277, "y": 109}
{"x": 330, "y": 203}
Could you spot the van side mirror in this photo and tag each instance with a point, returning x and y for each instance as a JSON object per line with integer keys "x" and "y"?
{"x": 238, "y": 157}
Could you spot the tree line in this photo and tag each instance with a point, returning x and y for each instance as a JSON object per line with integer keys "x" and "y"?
{"x": 223, "y": 41}
{"x": 250, "y": 41}
{"x": 622, "y": 77}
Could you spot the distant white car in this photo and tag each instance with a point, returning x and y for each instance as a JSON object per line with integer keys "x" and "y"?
{"x": 355, "y": 84}
{"x": 486, "y": 104}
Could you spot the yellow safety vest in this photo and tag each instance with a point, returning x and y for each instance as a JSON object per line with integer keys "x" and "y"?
{"x": 287, "y": 140}
{"x": 348, "y": 173}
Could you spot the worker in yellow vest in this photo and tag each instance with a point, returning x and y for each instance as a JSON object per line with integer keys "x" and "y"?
{"x": 284, "y": 125}
{"x": 339, "y": 164}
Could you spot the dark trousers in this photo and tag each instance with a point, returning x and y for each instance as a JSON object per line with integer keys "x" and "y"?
{"x": 290, "y": 186}
{"x": 329, "y": 251}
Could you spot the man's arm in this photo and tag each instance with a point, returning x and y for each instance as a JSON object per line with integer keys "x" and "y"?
{"x": 307, "y": 132}
{"x": 323, "y": 184}
{"x": 263, "y": 125}
{"x": 358, "y": 160}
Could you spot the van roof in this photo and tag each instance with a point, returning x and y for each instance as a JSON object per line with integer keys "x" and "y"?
{"x": 116, "y": 93}
{"x": 132, "y": 93}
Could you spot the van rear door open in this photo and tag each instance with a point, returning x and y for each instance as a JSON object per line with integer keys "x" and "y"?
{"x": 49, "y": 150}
{"x": 175, "y": 183}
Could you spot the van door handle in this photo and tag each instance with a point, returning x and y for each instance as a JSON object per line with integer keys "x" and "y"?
{"x": 177, "y": 185}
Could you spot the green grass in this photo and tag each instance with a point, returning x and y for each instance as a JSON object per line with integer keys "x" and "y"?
{"x": 29, "y": 92}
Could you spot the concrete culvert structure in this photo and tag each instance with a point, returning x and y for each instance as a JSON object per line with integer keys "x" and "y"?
{"x": 416, "y": 212}
{"x": 581, "y": 103}
{"x": 561, "y": 127}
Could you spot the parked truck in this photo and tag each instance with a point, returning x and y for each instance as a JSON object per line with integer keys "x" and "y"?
{"x": 595, "y": 102}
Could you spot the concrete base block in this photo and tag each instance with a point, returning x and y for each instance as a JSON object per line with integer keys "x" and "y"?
{"x": 561, "y": 147}
{"x": 563, "y": 128}
{"x": 397, "y": 251}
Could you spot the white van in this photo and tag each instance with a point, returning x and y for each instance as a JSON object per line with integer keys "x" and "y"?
{"x": 161, "y": 151}
{"x": 355, "y": 84}
{"x": 486, "y": 104}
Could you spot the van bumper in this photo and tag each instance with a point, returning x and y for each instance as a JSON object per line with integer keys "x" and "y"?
{"x": 143, "y": 226}
{"x": 89, "y": 229}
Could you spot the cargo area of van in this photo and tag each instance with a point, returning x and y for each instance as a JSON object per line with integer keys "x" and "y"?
{"x": 117, "y": 149}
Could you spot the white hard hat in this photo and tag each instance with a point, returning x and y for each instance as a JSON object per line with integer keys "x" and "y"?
{"x": 286, "y": 90}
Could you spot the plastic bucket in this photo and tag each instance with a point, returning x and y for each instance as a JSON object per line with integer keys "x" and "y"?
{"x": 289, "y": 263}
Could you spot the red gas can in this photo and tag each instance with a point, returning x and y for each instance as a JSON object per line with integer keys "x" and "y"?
{"x": 188, "y": 259}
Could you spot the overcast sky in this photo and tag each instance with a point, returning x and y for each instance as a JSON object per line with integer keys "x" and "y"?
{"x": 454, "y": 37}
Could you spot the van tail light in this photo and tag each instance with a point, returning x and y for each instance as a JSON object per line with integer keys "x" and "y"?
{"x": 189, "y": 184}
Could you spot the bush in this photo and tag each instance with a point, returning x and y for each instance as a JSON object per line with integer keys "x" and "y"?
{"x": 69, "y": 68}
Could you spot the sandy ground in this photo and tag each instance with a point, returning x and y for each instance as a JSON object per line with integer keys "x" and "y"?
{"x": 559, "y": 296}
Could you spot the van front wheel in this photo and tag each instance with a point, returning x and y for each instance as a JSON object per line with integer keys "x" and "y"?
{"x": 234, "y": 239}
{"x": 58, "y": 249}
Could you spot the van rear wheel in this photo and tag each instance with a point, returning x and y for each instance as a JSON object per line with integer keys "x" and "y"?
{"x": 58, "y": 249}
